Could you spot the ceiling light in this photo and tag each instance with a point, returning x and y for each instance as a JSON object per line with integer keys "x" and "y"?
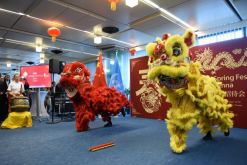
{"x": 88, "y": 32}
{"x": 42, "y": 55}
{"x": 97, "y": 40}
{"x": 90, "y": 54}
{"x": 150, "y": 3}
{"x": 42, "y": 61}
{"x": 8, "y": 65}
{"x": 169, "y": 16}
{"x": 112, "y": 62}
{"x": 131, "y": 3}
{"x": 38, "y": 49}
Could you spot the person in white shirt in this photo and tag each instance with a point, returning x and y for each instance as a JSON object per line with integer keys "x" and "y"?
{"x": 15, "y": 88}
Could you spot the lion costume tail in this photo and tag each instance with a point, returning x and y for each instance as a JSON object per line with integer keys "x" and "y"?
{"x": 109, "y": 102}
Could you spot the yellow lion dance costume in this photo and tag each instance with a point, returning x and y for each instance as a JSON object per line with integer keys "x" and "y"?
{"x": 194, "y": 97}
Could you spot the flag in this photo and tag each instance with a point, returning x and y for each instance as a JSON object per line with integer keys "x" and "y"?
{"x": 99, "y": 78}
{"x": 116, "y": 77}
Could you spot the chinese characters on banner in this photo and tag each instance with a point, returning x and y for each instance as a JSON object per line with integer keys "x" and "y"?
{"x": 146, "y": 99}
{"x": 227, "y": 62}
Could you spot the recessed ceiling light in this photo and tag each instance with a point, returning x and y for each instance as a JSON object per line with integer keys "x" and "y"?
{"x": 38, "y": 49}
{"x": 97, "y": 40}
{"x": 8, "y": 65}
{"x": 42, "y": 55}
{"x": 131, "y": 3}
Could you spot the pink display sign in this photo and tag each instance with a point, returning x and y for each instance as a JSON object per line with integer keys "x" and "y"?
{"x": 37, "y": 76}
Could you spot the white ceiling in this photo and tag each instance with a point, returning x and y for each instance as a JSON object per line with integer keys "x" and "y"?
{"x": 137, "y": 26}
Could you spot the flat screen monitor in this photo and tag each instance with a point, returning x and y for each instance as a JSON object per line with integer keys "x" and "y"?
{"x": 37, "y": 76}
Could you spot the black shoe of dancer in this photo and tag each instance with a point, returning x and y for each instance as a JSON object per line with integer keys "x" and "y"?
{"x": 123, "y": 112}
{"x": 227, "y": 133}
{"x": 108, "y": 124}
{"x": 208, "y": 136}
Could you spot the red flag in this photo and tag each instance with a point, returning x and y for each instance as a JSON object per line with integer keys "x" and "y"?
{"x": 99, "y": 78}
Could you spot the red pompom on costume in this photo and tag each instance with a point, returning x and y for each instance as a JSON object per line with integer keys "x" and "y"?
{"x": 89, "y": 100}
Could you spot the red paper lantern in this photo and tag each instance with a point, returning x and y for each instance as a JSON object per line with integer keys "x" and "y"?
{"x": 132, "y": 51}
{"x": 54, "y": 32}
{"x": 113, "y": 4}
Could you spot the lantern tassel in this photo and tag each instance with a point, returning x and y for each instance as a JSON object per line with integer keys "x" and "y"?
{"x": 113, "y": 6}
{"x": 53, "y": 39}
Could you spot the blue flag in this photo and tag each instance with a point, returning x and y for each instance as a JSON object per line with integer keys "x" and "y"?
{"x": 116, "y": 77}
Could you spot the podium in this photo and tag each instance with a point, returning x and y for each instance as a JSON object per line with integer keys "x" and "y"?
{"x": 37, "y": 108}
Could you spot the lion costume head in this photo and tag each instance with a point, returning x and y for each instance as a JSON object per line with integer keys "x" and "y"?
{"x": 169, "y": 59}
{"x": 74, "y": 76}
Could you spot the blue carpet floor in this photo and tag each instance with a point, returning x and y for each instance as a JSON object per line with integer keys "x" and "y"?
{"x": 138, "y": 141}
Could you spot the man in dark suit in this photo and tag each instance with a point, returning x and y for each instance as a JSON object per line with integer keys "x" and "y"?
{"x": 2, "y": 96}
{"x": 53, "y": 88}
{"x": 6, "y": 83}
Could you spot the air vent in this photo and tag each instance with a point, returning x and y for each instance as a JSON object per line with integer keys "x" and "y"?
{"x": 110, "y": 29}
{"x": 30, "y": 62}
{"x": 106, "y": 48}
{"x": 56, "y": 51}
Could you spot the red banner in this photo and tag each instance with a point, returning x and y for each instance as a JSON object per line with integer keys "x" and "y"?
{"x": 227, "y": 62}
{"x": 146, "y": 99}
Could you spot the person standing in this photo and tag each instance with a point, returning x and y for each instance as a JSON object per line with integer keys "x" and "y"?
{"x": 53, "y": 88}
{"x": 6, "y": 83}
{"x": 53, "y": 93}
{"x": 26, "y": 87}
{"x": 2, "y": 95}
{"x": 15, "y": 88}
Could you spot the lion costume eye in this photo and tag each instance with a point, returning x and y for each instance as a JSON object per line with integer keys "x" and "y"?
{"x": 177, "y": 50}
{"x": 78, "y": 70}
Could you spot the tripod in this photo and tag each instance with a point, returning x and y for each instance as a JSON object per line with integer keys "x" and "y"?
{"x": 53, "y": 105}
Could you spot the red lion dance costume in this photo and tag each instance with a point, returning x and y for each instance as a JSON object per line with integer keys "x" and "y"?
{"x": 89, "y": 100}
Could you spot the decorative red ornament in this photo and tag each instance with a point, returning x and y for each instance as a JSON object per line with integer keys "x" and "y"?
{"x": 54, "y": 32}
{"x": 163, "y": 57}
{"x": 166, "y": 36}
{"x": 151, "y": 59}
{"x": 158, "y": 49}
{"x": 113, "y": 4}
{"x": 132, "y": 51}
